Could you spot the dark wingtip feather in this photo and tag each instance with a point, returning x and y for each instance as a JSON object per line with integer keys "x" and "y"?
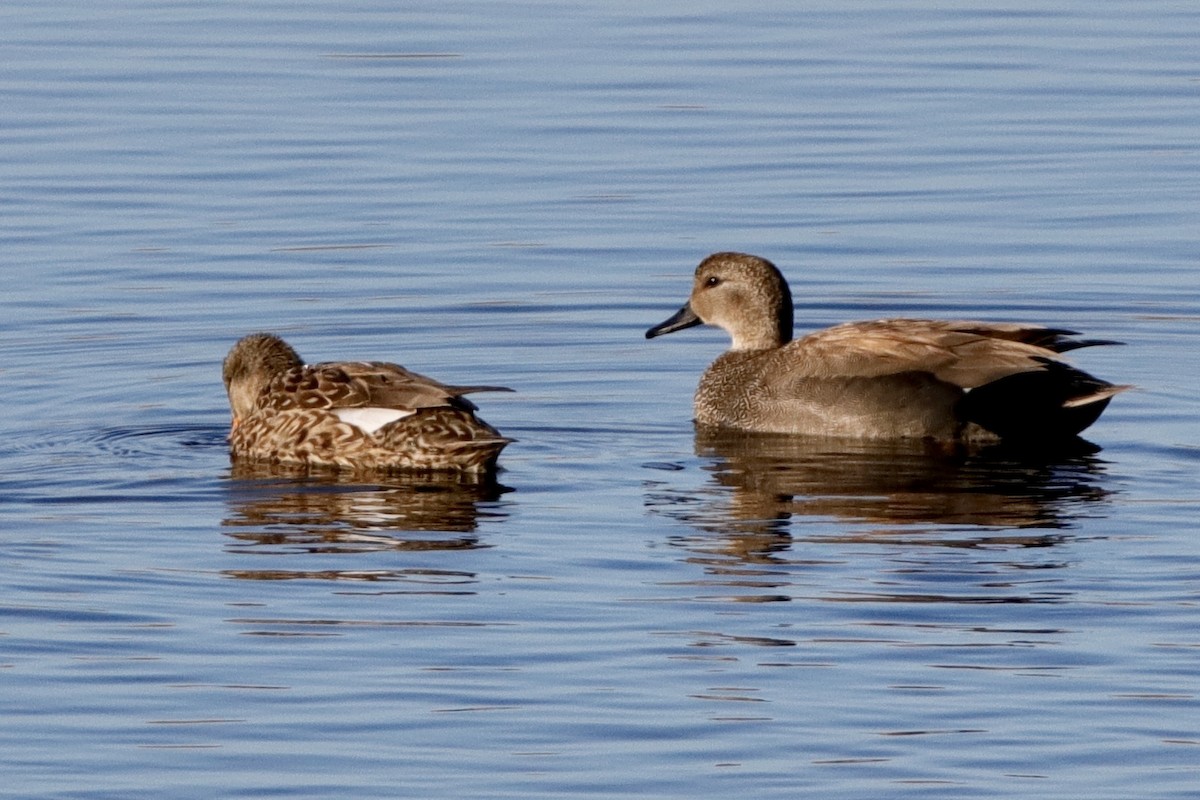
{"x": 1074, "y": 344}
{"x": 474, "y": 389}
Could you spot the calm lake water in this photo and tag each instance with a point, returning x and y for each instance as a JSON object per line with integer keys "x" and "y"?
{"x": 512, "y": 193}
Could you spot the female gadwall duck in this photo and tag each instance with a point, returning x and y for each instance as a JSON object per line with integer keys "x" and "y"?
{"x": 888, "y": 379}
{"x": 360, "y": 415}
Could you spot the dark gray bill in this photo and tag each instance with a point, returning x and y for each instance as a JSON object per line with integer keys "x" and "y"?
{"x": 683, "y": 318}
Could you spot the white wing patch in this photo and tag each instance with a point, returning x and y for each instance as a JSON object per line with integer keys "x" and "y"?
{"x": 371, "y": 419}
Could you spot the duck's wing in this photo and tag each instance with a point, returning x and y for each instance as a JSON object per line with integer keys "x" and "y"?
{"x": 966, "y": 354}
{"x": 379, "y": 383}
{"x": 363, "y": 384}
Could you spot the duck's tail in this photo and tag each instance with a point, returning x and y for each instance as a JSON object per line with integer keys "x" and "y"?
{"x": 1048, "y": 404}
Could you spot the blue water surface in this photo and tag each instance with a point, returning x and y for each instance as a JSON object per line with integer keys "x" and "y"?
{"x": 511, "y": 194}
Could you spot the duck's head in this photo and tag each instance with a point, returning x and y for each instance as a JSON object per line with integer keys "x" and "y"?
{"x": 250, "y": 366}
{"x": 743, "y": 294}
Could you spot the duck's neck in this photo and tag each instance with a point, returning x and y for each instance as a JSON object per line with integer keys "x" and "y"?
{"x": 775, "y": 331}
{"x": 783, "y": 316}
{"x": 748, "y": 343}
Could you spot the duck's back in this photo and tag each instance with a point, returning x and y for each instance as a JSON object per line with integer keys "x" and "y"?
{"x": 367, "y": 416}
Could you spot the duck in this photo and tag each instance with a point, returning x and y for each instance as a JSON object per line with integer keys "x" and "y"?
{"x": 351, "y": 415}
{"x": 899, "y": 378}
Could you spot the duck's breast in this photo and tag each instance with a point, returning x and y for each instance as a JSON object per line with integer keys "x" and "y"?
{"x": 761, "y": 393}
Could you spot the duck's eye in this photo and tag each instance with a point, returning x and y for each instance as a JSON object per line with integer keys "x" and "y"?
{"x": 712, "y": 281}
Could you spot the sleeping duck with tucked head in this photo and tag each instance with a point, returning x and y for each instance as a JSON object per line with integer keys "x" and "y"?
{"x": 957, "y": 381}
{"x": 351, "y": 415}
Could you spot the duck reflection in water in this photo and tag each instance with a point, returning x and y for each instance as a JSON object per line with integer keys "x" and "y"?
{"x": 760, "y": 484}
{"x": 282, "y": 510}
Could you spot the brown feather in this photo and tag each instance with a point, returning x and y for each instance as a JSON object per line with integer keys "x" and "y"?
{"x": 891, "y": 378}
{"x": 284, "y": 413}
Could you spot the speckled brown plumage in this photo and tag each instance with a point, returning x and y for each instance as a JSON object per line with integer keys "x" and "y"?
{"x": 893, "y": 378}
{"x": 366, "y": 415}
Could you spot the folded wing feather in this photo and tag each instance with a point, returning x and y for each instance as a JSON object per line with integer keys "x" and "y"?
{"x": 965, "y": 354}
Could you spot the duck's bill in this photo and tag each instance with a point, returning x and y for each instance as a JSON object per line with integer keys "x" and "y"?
{"x": 683, "y": 318}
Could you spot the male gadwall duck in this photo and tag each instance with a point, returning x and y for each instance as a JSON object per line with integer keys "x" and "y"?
{"x": 887, "y": 379}
{"x": 357, "y": 415}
